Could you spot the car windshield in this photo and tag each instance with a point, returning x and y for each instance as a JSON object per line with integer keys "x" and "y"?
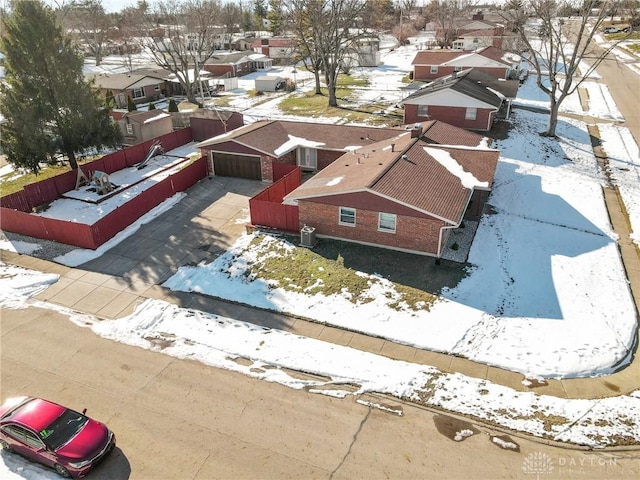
{"x": 63, "y": 429}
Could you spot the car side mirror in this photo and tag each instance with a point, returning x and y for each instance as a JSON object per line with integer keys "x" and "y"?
{"x": 84, "y": 411}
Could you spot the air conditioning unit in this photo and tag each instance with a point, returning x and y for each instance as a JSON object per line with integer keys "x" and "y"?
{"x": 308, "y": 236}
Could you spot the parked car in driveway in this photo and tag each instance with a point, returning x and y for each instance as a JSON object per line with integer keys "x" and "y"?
{"x": 617, "y": 29}
{"x": 56, "y": 436}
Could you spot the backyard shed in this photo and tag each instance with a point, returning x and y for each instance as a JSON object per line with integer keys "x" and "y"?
{"x": 269, "y": 83}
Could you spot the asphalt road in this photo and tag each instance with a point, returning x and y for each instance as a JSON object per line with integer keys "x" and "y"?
{"x": 179, "y": 419}
{"x": 624, "y": 85}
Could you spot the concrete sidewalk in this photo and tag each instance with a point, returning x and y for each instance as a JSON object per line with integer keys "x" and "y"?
{"x": 111, "y": 297}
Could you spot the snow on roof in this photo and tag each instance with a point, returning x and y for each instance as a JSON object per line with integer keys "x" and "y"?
{"x": 445, "y": 159}
{"x": 157, "y": 117}
{"x": 295, "y": 142}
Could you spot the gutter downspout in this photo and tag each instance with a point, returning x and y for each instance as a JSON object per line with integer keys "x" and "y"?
{"x": 440, "y": 235}
{"x": 456, "y": 225}
{"x": 492, "y": 115}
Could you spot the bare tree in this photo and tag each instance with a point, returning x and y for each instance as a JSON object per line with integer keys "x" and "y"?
{"x": 447, "y": 15}
{"x": 230, "y": 19}
{"x": 558, "y": 47}
{"x": 302, "y": 14}
{"x": 88, "y": 20}
{"x": 127, "y": 23}
{"x": 182, "y": 38}
{"x": 332, "y": 34}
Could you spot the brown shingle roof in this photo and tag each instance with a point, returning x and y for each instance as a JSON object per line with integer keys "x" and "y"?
{"x": 436, "y": 57}
{"x": 277, "y": 137}
{"x": 445, "y": 134}
{"x": 409, "y": 173}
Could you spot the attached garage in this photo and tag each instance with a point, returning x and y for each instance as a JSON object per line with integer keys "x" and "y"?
{"x": 234, "y": 165}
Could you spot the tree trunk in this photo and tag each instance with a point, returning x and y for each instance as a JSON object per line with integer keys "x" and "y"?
{"x": 72, "y": 160}
{"x": 333, "y": 101}
{"x": 316, "y": 74}
{"x": 553, "y": 119}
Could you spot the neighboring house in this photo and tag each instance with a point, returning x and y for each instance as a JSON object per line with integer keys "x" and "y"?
{"x": 469, "y": 99}
{"x": 469, "y": 34}
{"x": 141, "y": 86}
{"x": 206, "y": 123}
{"x": 477, "y": 39}
{"x": 250, "y": 151}
{"x": 364, "y": 52}
{"x": 280, "y": 49}
{"x": 237, "y": 64}
{"x": 432, "y": 64}
{"x": 138, "y": 127}
{"x": 404, "y": 193}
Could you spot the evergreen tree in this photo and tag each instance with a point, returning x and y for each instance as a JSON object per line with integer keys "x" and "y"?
{"x": 110, "y": 100}
{"x": 51, "y": 113}
{"x": 130, "y": 105}
{"x": 173, "y": 106}
{"x": 152, "y": 106}
{"x": 276, "y": 17}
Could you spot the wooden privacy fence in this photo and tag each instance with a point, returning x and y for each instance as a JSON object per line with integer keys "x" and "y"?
{"x": 92, "y": 236}
{"x": 20, "y": 220}
{"x": 266, "y": 208}
{"x": 50, "y": 189}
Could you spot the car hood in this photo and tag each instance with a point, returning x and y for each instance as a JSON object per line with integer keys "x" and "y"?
{"x": 87, "y": 443}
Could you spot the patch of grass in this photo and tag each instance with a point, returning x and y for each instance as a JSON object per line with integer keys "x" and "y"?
{"x": 632, "y": 47}
{"x": 313, "y": 105}
{"x": 14, "y": 182}
{"x": 345, "y": 80}
{"x": 623, "y": 36}
{"x": 550, "y": 421}
{"x": 221, "y": 101}
{"x": 302, "y": 270}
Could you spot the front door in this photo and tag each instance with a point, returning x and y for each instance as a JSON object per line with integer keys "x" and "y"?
{"x": 308, "y": 158}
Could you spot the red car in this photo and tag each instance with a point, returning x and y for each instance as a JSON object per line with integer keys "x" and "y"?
{"x": 56, "y": 436}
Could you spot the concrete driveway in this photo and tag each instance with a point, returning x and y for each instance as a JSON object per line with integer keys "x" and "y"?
{"x": 200, "y": 227}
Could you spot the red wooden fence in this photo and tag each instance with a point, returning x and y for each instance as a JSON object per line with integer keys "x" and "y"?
{"x": 50, "y": 189}
{"x": 266, "y": 208}
{"x": 14, "y": 207}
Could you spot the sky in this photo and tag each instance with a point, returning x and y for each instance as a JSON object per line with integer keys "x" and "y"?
{"x": 546, "y": 295}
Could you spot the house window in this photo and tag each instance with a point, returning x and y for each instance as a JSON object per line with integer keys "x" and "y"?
{"x": 138, "y": 93}
{"x": 423, "y": 111}
{"x": 457, "y": 69}
{"x": 387, "y": 222}
{"x": 129, "y": 128}
{"x": 470, "y": 113}
{"x": 156, "y": 87}
{"x": 434, "y": 69}
{"x": 347, "y": 216}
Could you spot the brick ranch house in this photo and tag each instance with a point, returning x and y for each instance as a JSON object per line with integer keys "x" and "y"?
{"x": 432, "y": 64}
{"x": 142, "y": 86}
{"x": 251, "y": 150}
{"x": 469, "y": 99}
{"x": 403, "y": 193}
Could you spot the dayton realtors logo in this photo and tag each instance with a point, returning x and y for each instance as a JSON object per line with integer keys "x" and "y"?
{"x": 537, "y": 464}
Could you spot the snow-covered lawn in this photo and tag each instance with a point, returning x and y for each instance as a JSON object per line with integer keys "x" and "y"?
{"x": 547, "y": 296}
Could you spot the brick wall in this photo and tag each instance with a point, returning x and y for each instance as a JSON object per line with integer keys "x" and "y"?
{"x": 451, "y": 115}
{"x": 418, "y": 234}
{"x": 423, "y": 72}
